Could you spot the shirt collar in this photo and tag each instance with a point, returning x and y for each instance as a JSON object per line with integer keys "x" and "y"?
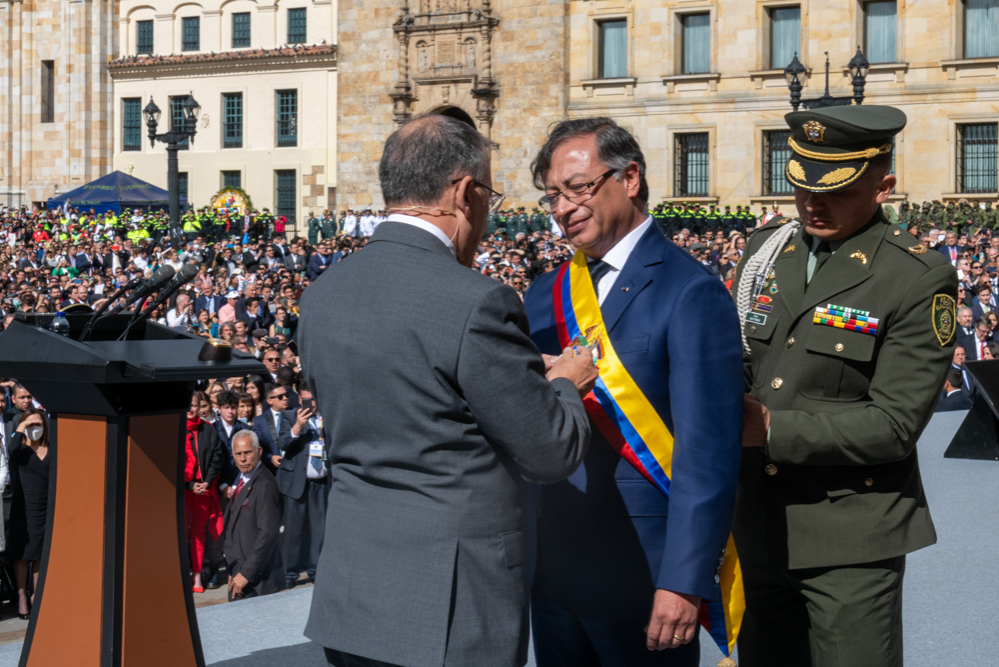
{"x": 247, "y": 478}
{"x": 425, "y": 226}
{"x": 618, "y": 255}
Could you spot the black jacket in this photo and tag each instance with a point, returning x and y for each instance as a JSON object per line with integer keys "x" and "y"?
{"x": 293, "y": 471}
{"x": 954, "y": 402}
{"x": 211, "y": 454}
{"x": 252, "y": 538}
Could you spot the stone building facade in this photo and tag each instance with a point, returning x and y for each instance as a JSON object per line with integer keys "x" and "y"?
{"x": 55, "y": 95}
{"x": 265, "y": 75}
{"x": 699, "y": 82}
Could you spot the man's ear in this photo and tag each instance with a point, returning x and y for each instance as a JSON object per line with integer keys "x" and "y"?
{"x": 461, "y": 197}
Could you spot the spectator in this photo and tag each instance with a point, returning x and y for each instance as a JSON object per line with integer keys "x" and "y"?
{"x": 273, "y": 423}
{"x": 256, "y": 388}
{"x": 246, "y": 408}
{"x": 228, "y": 425}
{"x": 974, "y": 345}
{"x": 181, "y": 316}
{"x": 952, "y": 398}
{"x": 966, "y": 322}
{"x": 29, "y": 467}
{"x": 280, "y": 326}
{"x": 252, "y": 541}
{"x": 984, "y": 302}
{"x": 272, "y": 362}
{"x": 204, "y": 460}
{"x": 227, "y": 313}
{"x": 205, "y": 326}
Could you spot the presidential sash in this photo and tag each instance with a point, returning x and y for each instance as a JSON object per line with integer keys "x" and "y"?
{"x": 634, "y": 429}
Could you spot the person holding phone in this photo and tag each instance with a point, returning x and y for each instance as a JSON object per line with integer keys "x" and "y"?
{"x": 303, "y": 481}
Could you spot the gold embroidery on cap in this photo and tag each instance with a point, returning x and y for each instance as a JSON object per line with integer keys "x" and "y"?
{"x": 796, "y": 170}
{"x": 814, "y": 131}
{"x": 837, "y": 176}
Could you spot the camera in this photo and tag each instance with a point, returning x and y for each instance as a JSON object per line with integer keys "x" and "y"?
{"x": 309, "y": 404}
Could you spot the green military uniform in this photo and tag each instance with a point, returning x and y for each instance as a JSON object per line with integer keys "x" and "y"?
{"x": 988, "y": 216}
{"x": 539, "y": 221}
{"x": 314, "y": 227}
{"x": 827, "y": 509}
{"x": 329, "y": 226}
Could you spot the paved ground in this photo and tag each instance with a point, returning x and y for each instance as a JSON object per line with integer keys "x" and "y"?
{"x": 950, "y": 588}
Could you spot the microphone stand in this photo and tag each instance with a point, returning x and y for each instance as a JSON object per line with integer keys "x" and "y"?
{"x": 130, "y": 285}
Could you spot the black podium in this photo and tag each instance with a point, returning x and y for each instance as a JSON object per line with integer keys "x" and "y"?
{"x": 978, "y": 437}
{"x": 113, "y": 588}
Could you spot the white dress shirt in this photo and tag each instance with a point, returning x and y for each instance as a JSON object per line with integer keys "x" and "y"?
{"x": 616, "y": 258}
{"x": 428, "y": 227}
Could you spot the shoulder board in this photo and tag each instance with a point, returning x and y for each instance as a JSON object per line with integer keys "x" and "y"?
{"x": 907, "y": 243}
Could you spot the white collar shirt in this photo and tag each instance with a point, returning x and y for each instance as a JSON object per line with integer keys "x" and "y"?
{"x": 617, "y": 257}
{"x": 427, "y": 227}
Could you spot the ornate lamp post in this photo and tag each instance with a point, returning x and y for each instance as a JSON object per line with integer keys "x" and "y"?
{"x": 858, "y": 71}
{"x": 791, "y": 74}
{"x": 172, "y": 139}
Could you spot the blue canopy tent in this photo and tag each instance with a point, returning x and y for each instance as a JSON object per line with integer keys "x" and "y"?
{"x": 115, "y": 192}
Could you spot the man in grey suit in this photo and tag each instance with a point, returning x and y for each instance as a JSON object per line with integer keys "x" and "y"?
{"x": 439, "y": 410}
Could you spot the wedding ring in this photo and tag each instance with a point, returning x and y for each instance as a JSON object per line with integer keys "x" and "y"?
{"x": 678, "y": 638}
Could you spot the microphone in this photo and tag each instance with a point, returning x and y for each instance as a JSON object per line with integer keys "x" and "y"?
{"x": 100, "y": 314}
{"x": 187, "y": 273}
{"x": 147, "y": 287}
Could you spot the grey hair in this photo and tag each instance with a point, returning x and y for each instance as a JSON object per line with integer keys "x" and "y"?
{"x": 423, "y": 156}
{"x": 616, "y": 148}
{"x": 961, "y": 310}
{"x": 247, "y": 433}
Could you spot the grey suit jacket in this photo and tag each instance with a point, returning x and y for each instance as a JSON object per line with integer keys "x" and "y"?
{"x": 437, "y": 410}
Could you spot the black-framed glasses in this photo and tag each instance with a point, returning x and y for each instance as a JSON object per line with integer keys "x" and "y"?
{"x": 494, "y": 197}
{"x": 577, "y": 193}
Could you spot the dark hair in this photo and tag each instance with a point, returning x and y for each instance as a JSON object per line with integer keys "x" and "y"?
{"x": 227, "y": 397}
{"x": 423, "y": 156}
{"x": 616, "y": 148}
{"x": 32, "y": 410}
{"x": 257, "y": 382}
{"x": 955, "y": 379}
{"x": 271, "y": 388}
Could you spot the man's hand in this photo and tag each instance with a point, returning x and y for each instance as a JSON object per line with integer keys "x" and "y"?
{"x": 201, "y": 488}
{"x": 549, "y": 360}
{"x": 673, "y": 620}
{"x": 301, "y": 419}
{"x": 275, "y": 460}
{"x": 575, "y": 365}
{"x": 755, "y": 422}
{"x": 237, "y": 584}
{"x": 230, "y": 492}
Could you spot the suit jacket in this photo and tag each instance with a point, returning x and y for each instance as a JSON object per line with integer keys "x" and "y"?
{"x": 296, "y": 262}
{"x": 82, "y": 262}
{"x": 607, "y": 537}
{"x": 954, "y": 402}
{"x": 838, "y": 482}
{"x": 270, "y": 438}
{"x": 204, "y": 300}
{"x": 252, "y": 538}
{"x": 318, "y": 264}
{"x": 950, "y": 252}
{"x": 211, "y": 454}
{"x": 229, "y": 470}
{"x": 970, "y": 345}
{"x": 429, "y": 495}
{"x": 107, "y": 261}
{"x": 250, "y": 262}
{"x": 293, "y": 471}
{"x": 976, "y": 307}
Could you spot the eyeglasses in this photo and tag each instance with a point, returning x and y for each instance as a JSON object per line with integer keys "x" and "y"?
{"x": 494, "y": 197}
{"x": 279, "y": 396}
{"x": 577, "y": 193}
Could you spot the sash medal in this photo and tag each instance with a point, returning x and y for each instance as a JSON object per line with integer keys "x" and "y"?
{"x": 635, "y": 430}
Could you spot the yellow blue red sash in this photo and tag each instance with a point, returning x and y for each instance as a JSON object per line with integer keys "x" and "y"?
{"x": 635, "y": 430}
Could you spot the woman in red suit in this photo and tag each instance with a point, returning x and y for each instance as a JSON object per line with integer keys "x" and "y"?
{"x": 203, "y": 462}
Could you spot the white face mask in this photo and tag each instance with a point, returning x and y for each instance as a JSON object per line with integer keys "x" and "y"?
{"x": 34, "y": 433}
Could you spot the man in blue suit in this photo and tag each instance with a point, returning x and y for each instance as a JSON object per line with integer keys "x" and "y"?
{"x": 319, "y": 262}
{"x": 611, "y": 546}
{"x": 273, "y": 424}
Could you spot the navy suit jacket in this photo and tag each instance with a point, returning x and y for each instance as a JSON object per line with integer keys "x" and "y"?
{"x": 229, "y": 470}
{"x": 607, "y": 537}
{"x": 204, "y": 300}
{"x": 263, "y": 426}
{"x": 976, "y": 307}
{"x": 293, "y": 471}
{"x": 948, "y": 250}
{"x": 317, "y": 266}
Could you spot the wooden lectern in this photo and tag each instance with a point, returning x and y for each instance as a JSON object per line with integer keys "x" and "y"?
{"x": 113, "y": 588}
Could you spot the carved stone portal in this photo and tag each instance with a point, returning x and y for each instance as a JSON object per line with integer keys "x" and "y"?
{"x": 445, "y": 59}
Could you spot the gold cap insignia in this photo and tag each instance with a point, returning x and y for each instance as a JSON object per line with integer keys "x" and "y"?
{"x": 917, "y": 250}
{"x": 837, "y": 176}
{"x": 796, "y": 170}
{"x": 815, "y": 132}
{"x": 861, "y": 256}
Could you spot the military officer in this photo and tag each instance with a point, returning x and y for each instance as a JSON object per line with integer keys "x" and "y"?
{"x": 314, "y": 227}
{"x": 328, "y": 226}
{"x": 849, "y": 329}
{"x": 539, "y": 221}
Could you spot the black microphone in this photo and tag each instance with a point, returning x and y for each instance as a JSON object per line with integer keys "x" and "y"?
{"x": 187, "y": 273}
{"x": 159, "y": 278}
{"x": 100, "y": 314}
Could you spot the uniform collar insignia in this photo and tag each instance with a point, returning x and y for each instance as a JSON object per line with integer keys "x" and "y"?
{"x": 917, "y": 250}
{"x": 859, "y": 255}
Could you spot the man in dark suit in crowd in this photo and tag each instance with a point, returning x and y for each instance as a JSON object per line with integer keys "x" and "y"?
{"x": 983, "y": 302}
{"x": 252, "y": 537}
{"x": 966, "y": 322}
{"x": 319, "y": 262}
{"x": 974, "y": 345}
{"x": 211, "y": 301}
{"x": 251, "y": 257}
{"x": 303, "y": 481}
{"x": 952, "y": 398}
{"x": 228, "y": 425}
{"x": 115, "y": 259}
{"x": 438, "y": 409}
{"x": 296, "y": 261}
{"x": 273, "y": 423}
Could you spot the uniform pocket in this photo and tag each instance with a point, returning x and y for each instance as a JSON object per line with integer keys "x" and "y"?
{"x": 838, "y": 366}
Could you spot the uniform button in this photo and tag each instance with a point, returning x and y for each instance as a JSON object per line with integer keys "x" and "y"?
{"x": 839, "y": 347}
{"x": 771, "y": 469}
{"x": 753, "y": 329}
{"x": 897, "y": 232}
{"x": 869, "y": 481}
{"x": 790, "y": 341}
{"x": 777, "y": 383}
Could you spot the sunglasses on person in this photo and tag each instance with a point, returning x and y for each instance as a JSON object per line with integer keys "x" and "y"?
{"x": 280, "y": 396}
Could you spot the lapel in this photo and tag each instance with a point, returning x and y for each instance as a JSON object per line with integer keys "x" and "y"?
{"x": 237, "y": 501}
{"x": 634, "y": 276}
{"x": 790, "y": 270}
{"x": 271, "y": 426}
{"x": 841, "y": 271}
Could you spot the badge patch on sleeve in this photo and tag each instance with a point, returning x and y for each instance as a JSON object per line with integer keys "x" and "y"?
{"x": 944, "y": 317}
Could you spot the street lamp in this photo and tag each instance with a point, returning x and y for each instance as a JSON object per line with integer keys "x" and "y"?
{"x": 791, "y": 74}
{"x": 858, "y": 70}
{"x": 188, "y": 129}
